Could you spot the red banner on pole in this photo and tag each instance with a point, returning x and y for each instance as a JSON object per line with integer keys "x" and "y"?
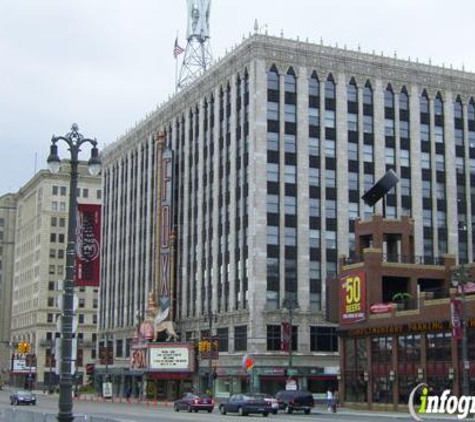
{"x": 88, "y": 240}
{"x": 353, "y": 298}
{"x": 455, "y": 316}
{"x": 285, "y": 343}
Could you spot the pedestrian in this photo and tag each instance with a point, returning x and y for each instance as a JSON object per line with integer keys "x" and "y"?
{"x": 128, "y": 392}
{"x": 335, "y": 401}
{"x": 329, "y": 400}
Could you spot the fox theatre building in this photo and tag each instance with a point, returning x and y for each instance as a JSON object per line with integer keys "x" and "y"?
{"x": 166, "y": 368}
{"x": 400, "y": 320}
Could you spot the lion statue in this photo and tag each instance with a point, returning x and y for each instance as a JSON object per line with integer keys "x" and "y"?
{"x": 162, "y": 325}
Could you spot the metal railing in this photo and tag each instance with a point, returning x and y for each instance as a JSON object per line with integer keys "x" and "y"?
{"x": 18, "y": 415}
{"x": 396, "y": 258}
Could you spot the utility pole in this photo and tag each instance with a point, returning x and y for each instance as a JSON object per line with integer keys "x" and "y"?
{"x": 290, "y": 303}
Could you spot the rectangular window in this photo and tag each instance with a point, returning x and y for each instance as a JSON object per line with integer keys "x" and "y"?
{"x": 426, "y": 189}
{"x": 330, "y": 238}
{"x": 52, "y": 253}
{"x": 389, "y": 127}
{"x": 313, "y": 116}
{"x": 290, "y": 174}
{"x": 272, "y": 111}
{"x": 272, "y": 235}
{"x": 273, "y": 337}
{"x": 223, "y": 339}
{"x": 63, "y": 190}
{"x": 352, "y": 122}
{"x": 439, "y": 162}
{"x": 352, "y": 151}
{"x": 353, "y": 181}
{"x": 405, "y": 185}
{"x": 54, "y": 221}
{"x": 425, "y": 160}
{"x": 314, "y": 240}
{"x": 404, "y": 158}
{"x": 330, "y": 148}
{"x": 273, "y": 141}
{"x": 330, "y": 208}
{"x": 368, "y": 153}
{"x": 272, "y": 172}
{"x": 99, "y": 196}
{"x": 404, "y": 129}
{"x": 54, "y": 190}
{"x": 367, "y": 124}
{"x": 85, "y": 194}
{"x": 390, "y": 155}
{"x": 439, "y": 134}
{"x": 313, "y": 146}
{"x": 368, "y": 181}
{"x": 314, "y": 207}
{"x": 330, "y": 178}
{"x": 273, "y": 203}
{"x": 290, "y": 205}
{"x": 330, "y": 119}
{"x": 290, "y": 113}
{"x": 289, "y": 141}
{"x": 353, "y": 210}
{"x": 240, "y": 338}
{"x": 290, "y": 236}
{"x": 425, "y": 132}
{"x": 323, "y": 339}
{"x": 313, "y": 176}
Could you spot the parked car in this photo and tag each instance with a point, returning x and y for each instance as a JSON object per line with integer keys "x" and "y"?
{"x": 192, "y": 403}
{"x": 274, "y": 404}
{"x": 290, "y": 400}
{"x": 244, "y": 404}
{"x": 22, "y": 397}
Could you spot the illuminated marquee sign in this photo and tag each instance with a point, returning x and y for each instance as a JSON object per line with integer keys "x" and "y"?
{"x": 172, "y": 357}
{"x": 353, "y": 298}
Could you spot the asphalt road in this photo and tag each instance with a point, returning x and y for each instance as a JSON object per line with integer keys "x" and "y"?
{"x": 123, "y": 412}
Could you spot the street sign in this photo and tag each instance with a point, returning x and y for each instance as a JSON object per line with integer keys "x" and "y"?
{"x": 58, "y": 353}
{"x": 291, "y": 385}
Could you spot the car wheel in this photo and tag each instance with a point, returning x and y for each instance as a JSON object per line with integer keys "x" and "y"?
{"x": 241, "y": 412}
{"x": 265, "y": 414}
{"x": 274, "y": 412}
{"x": 189, "y": 409}
{"x": 195, "y": 410}
{"x": 288, "y": 410}
{"x": 210, "y": 410}
{"x": 175, "y": 407}
{"x": 307, "y": 411}
{"x": 222, "y": 410}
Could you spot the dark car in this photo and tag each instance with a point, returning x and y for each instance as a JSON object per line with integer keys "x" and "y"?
{"x": 22, "y": 397}
{"x": 192, "y": 403}
{"x": 290, "y": 400}
{"x": 244, "y": 404}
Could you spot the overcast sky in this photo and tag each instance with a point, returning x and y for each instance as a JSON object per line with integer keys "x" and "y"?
{"x": 106, "y": 63}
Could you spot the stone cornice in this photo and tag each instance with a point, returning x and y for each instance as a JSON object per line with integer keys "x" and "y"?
{"x": 285, "y": 53}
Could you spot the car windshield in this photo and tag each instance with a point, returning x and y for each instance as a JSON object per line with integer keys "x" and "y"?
{"x": 23, "y": 392}
{"x": 252, "y": 397}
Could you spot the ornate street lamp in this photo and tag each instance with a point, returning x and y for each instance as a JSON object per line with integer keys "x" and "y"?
{"x": 74, "y": 140}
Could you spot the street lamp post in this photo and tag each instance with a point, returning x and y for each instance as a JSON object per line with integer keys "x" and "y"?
{"x": 460, "y": 277}
{"x": 74, "y": 140}
{"x": 290, "y": 303}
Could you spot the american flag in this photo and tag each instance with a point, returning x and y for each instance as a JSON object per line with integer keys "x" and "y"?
{"x": 177, "y": 50}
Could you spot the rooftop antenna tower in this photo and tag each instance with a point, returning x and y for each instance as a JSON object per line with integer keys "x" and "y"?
{"x": 198, "y": 55}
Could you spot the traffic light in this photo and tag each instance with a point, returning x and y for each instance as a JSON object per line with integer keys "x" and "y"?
{"x": 23, "y": 347}
{"x": 204, "y": 346}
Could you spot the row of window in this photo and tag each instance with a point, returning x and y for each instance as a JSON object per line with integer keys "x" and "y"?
{"x": 84, "y": 192}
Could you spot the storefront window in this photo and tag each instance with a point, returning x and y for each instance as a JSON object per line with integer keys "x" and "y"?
{"x": 356, "y": 358}
{"x": 406, "y": 384}
{"x": 382, "y": 389}
{"x": 439, "y": 347}
{"x": 381, "y": 349}
{"x": 409, "y": 348}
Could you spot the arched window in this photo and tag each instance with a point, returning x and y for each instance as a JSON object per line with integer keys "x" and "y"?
{"x": 273, "y": 79}
{"x": 290, "y": 85}
{"x": 471, "y": 110}
{"x": 424, "y": 103}
{"x": 330, "y": 87}
{"x": 458, "y": 109}
{"x": 313, "y": 85}
{"x": 438, "y": 105}
{"x": 352, "y": 91}
{"x": 389, "y": 97}
{"x": 367, "y": 94}
{"x": 403, "y": 99}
